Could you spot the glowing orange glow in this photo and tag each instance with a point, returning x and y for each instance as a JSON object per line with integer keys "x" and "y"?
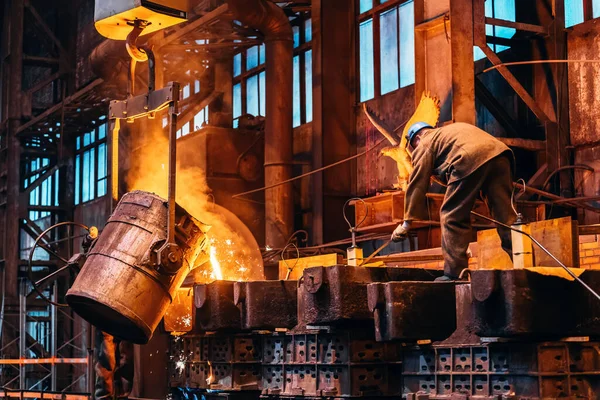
{"x": 211, "y": 377}
{"x": 233, "y": 249}
{"x": 217, "y": 273}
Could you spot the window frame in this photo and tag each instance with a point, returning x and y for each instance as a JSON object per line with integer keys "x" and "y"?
{"x": 245, "y": 74}
{"x": 79, "y": 156}
{"x": 374, "y": 13}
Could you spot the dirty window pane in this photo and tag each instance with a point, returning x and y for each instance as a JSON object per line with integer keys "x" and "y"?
{"x": 185, "y": 129}
{"x": 252, "y": 58}
{"x": 252, "y": 100}
{"x": 262, "y": 52}
{"x": 263, "y": 93}
{"x": 101, "y": 170}
{"x": 77, "y": 177}
{"x": 297, "y": 118}
{"x": 237, "y": 100}
{"x": 574, "y": 12}
{"x": 309, "y": 88}
{"x": 367, "y": 77}
{"x": 365, "y": 5}
{"x": 296, "y": 30}
{"x": 102, "y": 131}
{"x": 407, "y": 44}
{"x": 595, "y": 8}
{"x": 186, "y": 91}
{"x": 308, "y": 30}
{"x": 56, "y": 187}
{"x": 389, "y": 50}
{"x": 201, "y": 118}
{"x": 504, "y": 9}
{"x": 237, "y": 64}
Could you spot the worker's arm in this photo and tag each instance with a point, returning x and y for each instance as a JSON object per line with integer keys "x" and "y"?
{"x": 415, "y": 202}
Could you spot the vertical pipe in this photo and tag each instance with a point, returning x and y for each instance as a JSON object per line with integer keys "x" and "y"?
{"x": 22, "y": 335}
{"x": 272, "y": 22}
{"x": 13, "y": 163}
{"x": 279, "y": 218}
{"x": 113, "y": 127}
{"x": 172, "y": 163}
{"x": 53, "y": 336}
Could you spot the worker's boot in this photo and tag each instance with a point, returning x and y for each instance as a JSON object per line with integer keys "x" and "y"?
{"x": 445, "y": 278}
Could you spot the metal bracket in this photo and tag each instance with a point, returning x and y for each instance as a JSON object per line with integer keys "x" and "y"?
{"x": 313, "y": 280}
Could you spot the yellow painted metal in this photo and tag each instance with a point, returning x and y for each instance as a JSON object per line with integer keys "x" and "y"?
{"x": 325, "y": 260}
{"x": 522, "y": 247}
{"x": 113, "y": 18}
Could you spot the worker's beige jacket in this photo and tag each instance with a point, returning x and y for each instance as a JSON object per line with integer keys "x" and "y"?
{"x": 449, "y": 153}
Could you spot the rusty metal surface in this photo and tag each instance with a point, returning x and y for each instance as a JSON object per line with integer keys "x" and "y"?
{"x": 267, "y": 304}
{"x": 338, "y": 295}
{"x": 524, "y": 303}
{"x": 413, "y": 311}
{"x": 215, "y": 309}
{"x": 120, "y": 290}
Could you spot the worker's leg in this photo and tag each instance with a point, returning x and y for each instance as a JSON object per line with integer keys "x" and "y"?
{"x": 497, "y": 192}
{"x": 455, "y": 218}
{"x": 105, "y": 365}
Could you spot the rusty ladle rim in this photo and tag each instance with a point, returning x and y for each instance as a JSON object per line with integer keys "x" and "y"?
{"x": 30, "y": 260}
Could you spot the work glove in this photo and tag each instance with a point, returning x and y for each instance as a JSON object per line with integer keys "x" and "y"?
{"x": 401, "y": 232}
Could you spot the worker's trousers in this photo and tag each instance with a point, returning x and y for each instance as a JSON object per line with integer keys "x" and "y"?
{"x": 493, "y": 180}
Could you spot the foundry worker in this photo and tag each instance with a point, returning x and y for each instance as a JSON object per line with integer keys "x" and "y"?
{"x": 468, "y": 161}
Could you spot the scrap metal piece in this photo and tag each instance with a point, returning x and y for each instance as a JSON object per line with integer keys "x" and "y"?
{"x": 267, "y": 305}
{"x": 215, "y": 307}
{"x": 519, "y": 302}
{"x": 413, "y": 310}
{"x": 337, "y": 295}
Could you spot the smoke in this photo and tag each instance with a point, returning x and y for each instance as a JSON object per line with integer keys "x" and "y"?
{"x": 233, "y": 245}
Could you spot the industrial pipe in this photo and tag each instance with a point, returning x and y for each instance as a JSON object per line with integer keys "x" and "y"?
{"x": 272, "y": 22}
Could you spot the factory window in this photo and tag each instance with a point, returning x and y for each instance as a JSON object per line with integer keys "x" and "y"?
{"x": 91, "y": 178}
{"x": 249, "y": 80}
{"x": 249, "y": 75}
{"x": 578, "y": 11}
{"x": 500, "y": 9}
{"x": 45, "y": 194}
{"x": 189, "y": 121}
{"x": 302, "y": 100}
{"x": 387, "y": 46}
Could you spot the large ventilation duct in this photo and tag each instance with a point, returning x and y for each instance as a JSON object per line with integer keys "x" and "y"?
{"x": 272, "y": 22}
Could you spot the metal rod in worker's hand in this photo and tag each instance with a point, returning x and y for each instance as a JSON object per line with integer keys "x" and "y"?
{"x": 383, "y": 246}
{"x": 585, "y": 285}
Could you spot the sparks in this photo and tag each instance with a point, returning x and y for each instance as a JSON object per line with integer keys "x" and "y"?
{"x": 216, "y": 266}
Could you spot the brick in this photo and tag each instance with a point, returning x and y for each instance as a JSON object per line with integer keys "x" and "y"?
{"x": 587, "y": 238}
{"x": 589, "y": 246}
{"x": 594, "y": 266}
{"x": 592, "y": 260}
{"x": 596, "y": 252}
{"x": 590, "y": 253}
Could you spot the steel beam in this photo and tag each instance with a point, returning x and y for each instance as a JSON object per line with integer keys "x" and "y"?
{"x": 13, "y": 164}
{"x": 463, "y": 64}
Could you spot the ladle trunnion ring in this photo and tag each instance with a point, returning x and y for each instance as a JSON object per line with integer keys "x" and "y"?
{"x": 123, "y": 288}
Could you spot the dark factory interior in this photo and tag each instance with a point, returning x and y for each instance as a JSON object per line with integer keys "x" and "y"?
{"x": 304, "y": 199}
